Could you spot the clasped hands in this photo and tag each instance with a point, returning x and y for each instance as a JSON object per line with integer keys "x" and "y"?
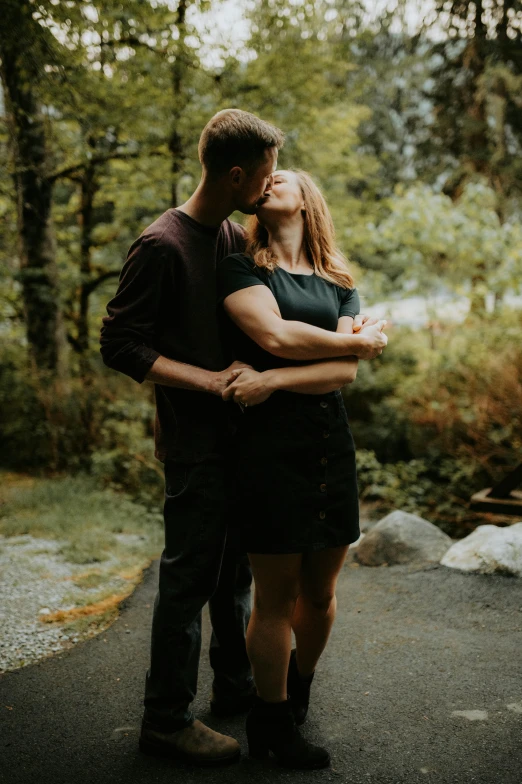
{"x": 248, "y": 387}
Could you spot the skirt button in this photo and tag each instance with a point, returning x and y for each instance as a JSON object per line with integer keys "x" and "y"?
{"x": 323, "y": 404}
{"x": 322, "y": 515}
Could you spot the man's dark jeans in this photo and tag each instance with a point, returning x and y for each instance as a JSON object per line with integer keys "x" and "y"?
{"x": 201, "y": 563}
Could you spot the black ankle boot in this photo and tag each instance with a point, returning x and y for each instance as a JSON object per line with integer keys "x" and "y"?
{"x": 298, "y": 688}
{"x": 271, "y": 727}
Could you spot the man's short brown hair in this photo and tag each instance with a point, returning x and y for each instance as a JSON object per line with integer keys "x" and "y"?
{"x": 236, "y": 138}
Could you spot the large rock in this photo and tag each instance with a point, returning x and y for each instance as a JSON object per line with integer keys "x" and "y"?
{"x": 401, "y": 537}
{"x": 488, "y": 549}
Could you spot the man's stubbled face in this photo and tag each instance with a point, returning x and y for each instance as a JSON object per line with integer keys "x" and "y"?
{"x": 257, "y": 184}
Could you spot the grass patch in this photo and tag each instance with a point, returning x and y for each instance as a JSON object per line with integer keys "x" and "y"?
{"x": 92, "y": 546}
{"x": 100, "y": 607}
{"x": 87, "y": 522}
{"x": 112, "y": 588}
{"x": 104, "y": 603}
{"x": 75, "y": 510}
{"x": 89, "y": 580}
{"x": 88, "y": 625}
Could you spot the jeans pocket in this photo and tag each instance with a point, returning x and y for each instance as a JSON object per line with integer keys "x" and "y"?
{"x": 176, "y": 478}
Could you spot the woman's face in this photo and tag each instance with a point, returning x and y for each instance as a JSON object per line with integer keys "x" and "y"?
{"x": 284, "y": 200}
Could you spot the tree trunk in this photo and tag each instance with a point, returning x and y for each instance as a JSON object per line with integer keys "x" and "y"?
{"x": 476, "y": 136}
{"x": 89, "y": 187}
{"x": 38, "y": 272}
{"x": 178, "y": 70}
{"x": 477, "y": 304}
{"x": 498, "y": 301}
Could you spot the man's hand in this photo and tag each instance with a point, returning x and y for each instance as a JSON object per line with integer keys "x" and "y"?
{"x": 223, "y": 378}
{"x": 361, "y": 321}
{"x": 374, "y": 340}
{"x": 249, "y": 388}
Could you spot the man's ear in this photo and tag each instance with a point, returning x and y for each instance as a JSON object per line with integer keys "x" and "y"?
{"x": 236, "y": 174}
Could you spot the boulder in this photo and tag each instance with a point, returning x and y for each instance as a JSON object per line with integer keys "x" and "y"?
{"x": 487, "y": 550}
{"x": 401, "y": 537}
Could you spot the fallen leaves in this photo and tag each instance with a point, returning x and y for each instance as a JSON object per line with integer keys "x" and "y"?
{"x": 97, "y": 608}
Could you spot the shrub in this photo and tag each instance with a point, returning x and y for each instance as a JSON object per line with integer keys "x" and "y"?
{"x": 101, "y": 424}
{"x": 439, "y": 416}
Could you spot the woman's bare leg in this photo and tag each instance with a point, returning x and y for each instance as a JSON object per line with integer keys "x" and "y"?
{"x": 269, "y": 633}
{"x": 316, "y": 605}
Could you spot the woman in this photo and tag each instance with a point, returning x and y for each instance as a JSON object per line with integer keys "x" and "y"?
{"x": 297, "y": 503}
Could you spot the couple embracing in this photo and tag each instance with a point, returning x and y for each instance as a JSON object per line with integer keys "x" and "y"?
{"x": 248, "y": 337}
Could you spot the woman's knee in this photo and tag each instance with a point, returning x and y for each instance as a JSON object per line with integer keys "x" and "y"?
{"x": 280, "y": 603}
{"x": 320, "y": 601}
{"x": 276, "y": 583}
{"x": 318, "y": 578}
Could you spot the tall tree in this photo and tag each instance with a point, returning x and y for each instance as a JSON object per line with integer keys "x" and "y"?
{"x": 477, "y": 103}
{"x": 477, "y": 88}
{"x": 24, "y": 50}
{"x": 179, "y": 68}
{"x": 98, "y": 122}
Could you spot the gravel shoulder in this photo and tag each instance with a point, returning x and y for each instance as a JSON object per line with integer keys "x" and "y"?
{"x": 48, "y": 604}
{"x": 420, "y": 682}
{"x": 71, "y": 551}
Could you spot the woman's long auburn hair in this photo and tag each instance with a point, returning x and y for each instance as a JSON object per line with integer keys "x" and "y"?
{"x": 319, "y": 238}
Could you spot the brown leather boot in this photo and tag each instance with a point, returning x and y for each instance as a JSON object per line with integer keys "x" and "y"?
{"x": 196, "y": 743}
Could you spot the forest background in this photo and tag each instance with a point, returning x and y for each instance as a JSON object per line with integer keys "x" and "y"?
{"x": 410, "y": 119}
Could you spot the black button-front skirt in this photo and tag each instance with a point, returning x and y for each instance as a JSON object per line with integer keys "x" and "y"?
{"x": 296, "y": 475}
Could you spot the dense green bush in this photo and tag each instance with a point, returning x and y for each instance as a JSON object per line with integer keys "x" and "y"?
{"x": 101, "y": 423}
{"x": 124, "y": 455}
{"x": 436, "y": 489}
{"x": 439, "y": 416}
{"x": 379, "y": 421}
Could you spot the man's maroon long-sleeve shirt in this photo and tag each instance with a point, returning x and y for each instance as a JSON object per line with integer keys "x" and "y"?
{"x": 166, "y": 304}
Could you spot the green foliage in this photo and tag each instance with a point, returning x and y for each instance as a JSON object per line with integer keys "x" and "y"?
{"x": 438, "y": 488}
{"x": 124, "y": 458}
{"x": 467, "y": 401}
{"x": 378, "y": 420}
{"x": 428, "y": 241}
{"x": 435, "y": 423}
{"x": 101, "y": 424}
{"x": 78, "y": 512}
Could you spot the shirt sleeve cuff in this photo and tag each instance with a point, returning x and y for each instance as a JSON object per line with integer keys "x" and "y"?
{"x": 348, "y": 312}
{"x": 238, "y": 286}
{"x": 143, "y": 361}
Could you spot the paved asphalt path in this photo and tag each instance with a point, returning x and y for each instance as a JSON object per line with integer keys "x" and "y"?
{"x": 410, "y": 649}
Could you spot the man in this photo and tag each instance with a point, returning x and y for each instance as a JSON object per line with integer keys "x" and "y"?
{"x": 162, "y": 327}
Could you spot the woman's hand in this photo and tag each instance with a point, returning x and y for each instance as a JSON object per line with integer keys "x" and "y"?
{"x": 361, "y": 320}
{"x": 249, "y": 388}
{"x": 221, "y": 379}
{"x": 375, "y": 340}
